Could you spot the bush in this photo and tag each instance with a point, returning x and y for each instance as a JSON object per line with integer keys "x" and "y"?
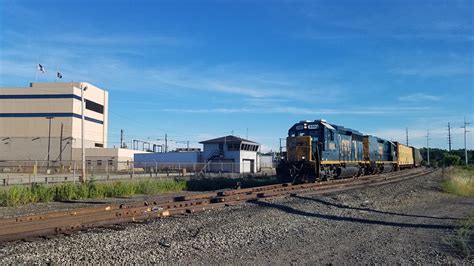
{"x": 95, "y": 190}
{"x": 65, "y": 192}
{"x": 451, "y": 159}
{"x": 42, "y": 193}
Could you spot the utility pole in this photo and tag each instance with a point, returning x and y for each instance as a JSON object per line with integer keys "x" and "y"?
{"x": 187, "y": 145}
{"x": 465, "y": 145}
{"x": 449, "y": 137}
{"x": 428, "y": 145}
{"x": 166, "y": 143}
{"x": 280, "y": 149}
{"x": 407, "y": 135}
{"x": 121, "y": 138}
{"x": 49, "y": 138}
{"x": 61, "y": 144}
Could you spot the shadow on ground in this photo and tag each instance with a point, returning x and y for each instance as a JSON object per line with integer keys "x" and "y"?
{"x": 294, "y": 211}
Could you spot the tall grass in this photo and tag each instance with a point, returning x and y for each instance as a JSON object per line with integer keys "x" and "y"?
{"x": 459, "y": 181}
{"x": 18, "y": 195}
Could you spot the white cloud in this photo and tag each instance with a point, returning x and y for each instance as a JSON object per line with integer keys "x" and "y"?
{"x": 443, "y": 70}
{"x": 418, "y": 97}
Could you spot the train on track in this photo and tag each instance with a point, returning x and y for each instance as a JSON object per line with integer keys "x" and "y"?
{"x": 317, "y": 150}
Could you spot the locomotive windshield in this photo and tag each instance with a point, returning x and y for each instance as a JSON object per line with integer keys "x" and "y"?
{"x": 305, "y": 130}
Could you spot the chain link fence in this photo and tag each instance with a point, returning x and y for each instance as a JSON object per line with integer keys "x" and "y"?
{"x": 27, "y": 172}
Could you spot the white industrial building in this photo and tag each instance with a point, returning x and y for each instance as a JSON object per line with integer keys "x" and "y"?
{"x": 44, "y": 121}
{"x": 229, "y": 154}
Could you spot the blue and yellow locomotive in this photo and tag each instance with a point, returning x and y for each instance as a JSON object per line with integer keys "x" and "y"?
{"x": 317, "y": 150}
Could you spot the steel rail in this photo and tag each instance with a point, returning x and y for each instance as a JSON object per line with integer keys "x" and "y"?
{"x": 65, "y": 222}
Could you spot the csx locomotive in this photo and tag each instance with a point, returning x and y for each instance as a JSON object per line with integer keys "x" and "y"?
{"x": 317, "y": 150}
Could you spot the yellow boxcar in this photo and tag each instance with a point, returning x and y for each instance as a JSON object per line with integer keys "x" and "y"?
{"x": 405, "y": 156}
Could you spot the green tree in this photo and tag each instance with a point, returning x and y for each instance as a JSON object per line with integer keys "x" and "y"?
{"x": 451, "y": 159}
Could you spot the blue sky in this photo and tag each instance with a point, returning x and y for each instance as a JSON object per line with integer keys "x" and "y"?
{"x": 201, "y": 69}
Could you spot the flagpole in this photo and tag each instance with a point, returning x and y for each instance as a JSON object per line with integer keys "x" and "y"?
{"x": 36, "y": 70}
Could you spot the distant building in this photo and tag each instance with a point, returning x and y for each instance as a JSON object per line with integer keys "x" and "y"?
{"x": 231, "y": 154}
{"x": 43, "y": 113}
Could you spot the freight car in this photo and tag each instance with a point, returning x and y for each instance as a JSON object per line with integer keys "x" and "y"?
{"x": 317, "y": 150}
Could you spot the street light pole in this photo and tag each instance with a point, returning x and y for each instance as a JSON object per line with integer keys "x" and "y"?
{"x": 83, "y": 153}
{"x": 49, "y": 139}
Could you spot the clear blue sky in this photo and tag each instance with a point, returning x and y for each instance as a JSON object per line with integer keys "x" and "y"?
{"x": 202, "y": 69}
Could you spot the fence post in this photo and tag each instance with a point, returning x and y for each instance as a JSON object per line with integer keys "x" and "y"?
{"x": 74, "y": 172}
{"x": 156, "y": 169}
{"x": 35, "y": 170}
{"x": 107, "y": 170}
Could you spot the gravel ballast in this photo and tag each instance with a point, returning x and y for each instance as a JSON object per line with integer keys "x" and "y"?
{"x": 405, "y": 222}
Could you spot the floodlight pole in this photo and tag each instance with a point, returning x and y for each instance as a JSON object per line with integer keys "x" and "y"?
{"x": 83, "y": 153}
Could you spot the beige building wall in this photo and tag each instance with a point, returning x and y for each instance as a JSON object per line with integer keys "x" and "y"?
{"x": 110, "y": 158}
{"x": 24, "y": 127}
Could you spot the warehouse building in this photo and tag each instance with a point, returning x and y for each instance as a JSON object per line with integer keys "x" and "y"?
{"x": 43, "y": 121}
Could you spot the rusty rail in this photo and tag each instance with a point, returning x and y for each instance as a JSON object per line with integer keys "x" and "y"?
{"x": 65, "y": 222}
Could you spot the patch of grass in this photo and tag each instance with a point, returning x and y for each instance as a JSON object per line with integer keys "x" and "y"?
{"x": 42, "y": 193}
{"x": 206, "y": 184}
{"x": 18, "y": 195}
{"x": 461, "y": 241}
{"x": 459, "y": 181}
{"x": 149, "y": 187}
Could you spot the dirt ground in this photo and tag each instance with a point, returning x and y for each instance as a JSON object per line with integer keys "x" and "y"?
{"x": 404, "y": 223}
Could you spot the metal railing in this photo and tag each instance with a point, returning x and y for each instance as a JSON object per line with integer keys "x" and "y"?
{"x": 27, "y": 172}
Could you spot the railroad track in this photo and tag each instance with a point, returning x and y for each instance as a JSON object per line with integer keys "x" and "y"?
{"x": 66, "y": 222}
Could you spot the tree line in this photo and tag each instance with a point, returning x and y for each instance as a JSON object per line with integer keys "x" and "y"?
{"x": 441, "y": 157}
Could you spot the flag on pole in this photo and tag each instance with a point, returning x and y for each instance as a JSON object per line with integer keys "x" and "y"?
{"x": 59, "y": 75}
{"x": 41, "y": 68}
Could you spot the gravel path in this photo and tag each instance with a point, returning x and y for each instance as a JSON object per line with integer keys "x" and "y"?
{"x": 397, "y": 223}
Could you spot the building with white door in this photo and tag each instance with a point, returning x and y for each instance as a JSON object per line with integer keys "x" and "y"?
{"x": 231, "y": 154}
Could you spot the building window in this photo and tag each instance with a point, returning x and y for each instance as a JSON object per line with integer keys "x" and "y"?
{"x": 233, "y": 146}
{"x": 93, "y": 106}
{"x": 110, "y": 162}
{"x": 99, "y": 162}
{"x": 88, "y": 162}
{"x": 99, "y": 145}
